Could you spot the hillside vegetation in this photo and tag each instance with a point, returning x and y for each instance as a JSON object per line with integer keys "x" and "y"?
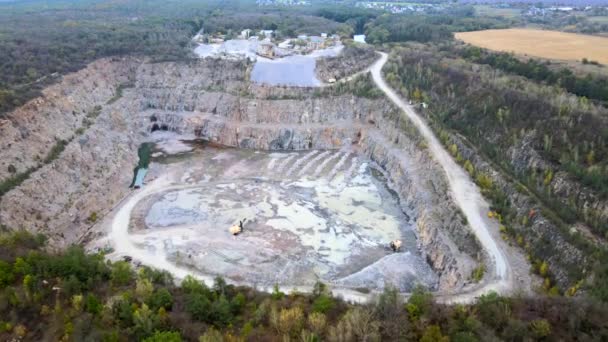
{"x": 40, "y": 42}
{"x": 551, "y": 143}
{"x": 75, "y": 296}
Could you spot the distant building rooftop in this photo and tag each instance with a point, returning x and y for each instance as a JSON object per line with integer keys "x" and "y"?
{"x": 359, "y": 38}
{"x": 139, "y": 178}
{"x": 316, "y": 39}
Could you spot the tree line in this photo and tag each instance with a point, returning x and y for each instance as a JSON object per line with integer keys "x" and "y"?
{"x": 591, "y": 86}
{"x": 426, "y": 28}
{"x": 76, "y": 296}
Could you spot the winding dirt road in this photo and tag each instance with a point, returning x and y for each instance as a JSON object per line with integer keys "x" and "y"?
{"x": 464, "y": 192}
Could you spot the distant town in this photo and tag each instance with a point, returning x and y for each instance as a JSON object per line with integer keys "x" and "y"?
{"x": 263, "y": 43}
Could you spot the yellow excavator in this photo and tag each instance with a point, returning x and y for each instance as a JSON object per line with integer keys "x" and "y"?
{"x": 237, "y": 228}
{"x": 395, "y": 245}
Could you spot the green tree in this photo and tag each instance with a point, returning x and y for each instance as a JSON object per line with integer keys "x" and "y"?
{"x": 419, "y": 303}
{"x": 493, "y": 310}
{"x": 93, "y": 305}
{"x": 161, "y": 298}
{"x": 191, "y": 285}
{"x": 199, "y": 306}
{"x": 121, "y": 273}
{"x": 6, "y": 274}
{"x": 323, "y": 304}
{"x": 377, "y": 35}
{"x": 221, "y": 311}
{"x": 21, "y": 266}
{"x": 143, "y": 289}
{"x": 432, "y": 333}
{"x": 29, "y": 283}
{"x": 144, "y": 321}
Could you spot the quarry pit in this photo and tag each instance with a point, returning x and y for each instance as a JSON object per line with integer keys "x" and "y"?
{"x": 324, "y": 179}
{"x": 319, "y": 215}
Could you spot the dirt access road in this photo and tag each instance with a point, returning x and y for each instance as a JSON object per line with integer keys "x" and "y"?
{"x": 466, "y": 195}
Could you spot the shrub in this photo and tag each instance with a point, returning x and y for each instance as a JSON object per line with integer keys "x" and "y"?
{"x": 291, "y": 321}
{"x": 93, "y": 305}
{"x": 121, "y": 273}
{"x": 92, "y": 218}
{"x": 540, "y": 328}
{"x": 317, "y": 322}
{"x": 478, "y": 273}
{"x": 484, "y": 181}
{"x": 323, "y": 304}
{"x": 432, "y": 333}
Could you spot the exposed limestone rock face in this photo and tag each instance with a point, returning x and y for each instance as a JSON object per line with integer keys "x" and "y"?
{"x": 569, "y": 192}
{"x": 272, "y": 124}
{"x": 449, "y": 245}
{"x": 91, "y": 175}
{"x": 189, "y": 86}
{"x": 210, "y": 99}
{"x": 353, "y": 59}
{"x": 538, "y": 233}
{"x": 30, "y": 131}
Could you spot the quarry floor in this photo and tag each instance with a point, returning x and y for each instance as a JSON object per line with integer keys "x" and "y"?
{"x": 323, "y": 215}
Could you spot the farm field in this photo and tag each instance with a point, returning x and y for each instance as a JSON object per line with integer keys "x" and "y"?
{"x": 491, "y": 11}
{"x": 541, "y": 43}
{"x": 600, "y": 20}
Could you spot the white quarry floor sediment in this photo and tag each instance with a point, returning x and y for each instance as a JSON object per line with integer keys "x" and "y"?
{"x": 315, "y": 215}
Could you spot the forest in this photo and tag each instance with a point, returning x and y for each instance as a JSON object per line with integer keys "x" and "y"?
{"x": 498, "y": 113}
{"x": 427, "y": 28}
{"x": 594, "y": 87}
{"x": 76, "y": 296}
{"x": 39, "y": 42}
{"x": 541, "y": 136}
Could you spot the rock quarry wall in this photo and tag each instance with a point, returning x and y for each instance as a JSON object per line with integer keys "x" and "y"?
{"x": 211, "y": 99}
{"x": 29, "y": 132}
{"x": 541, "y": 238}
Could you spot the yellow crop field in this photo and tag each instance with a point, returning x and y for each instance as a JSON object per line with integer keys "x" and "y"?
{"x": 541, "y": 43}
